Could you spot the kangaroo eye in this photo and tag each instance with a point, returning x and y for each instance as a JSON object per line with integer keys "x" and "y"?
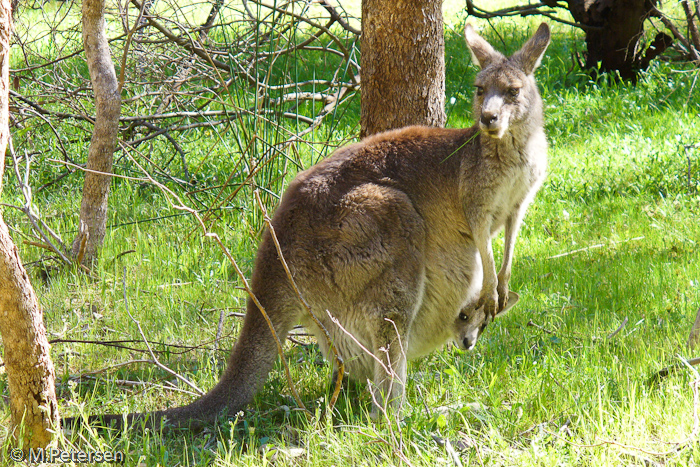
{"x": 479, "y": 91}
{"x": 514, "y": 92}
{"x": 463, "y": 317}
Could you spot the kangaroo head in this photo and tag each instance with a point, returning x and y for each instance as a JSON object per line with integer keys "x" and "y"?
{"x": 470, "y": 324}
{"x": 506, "y": 92}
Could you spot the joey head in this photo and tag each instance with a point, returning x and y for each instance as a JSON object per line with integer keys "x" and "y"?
{"x": 470, "y": 324}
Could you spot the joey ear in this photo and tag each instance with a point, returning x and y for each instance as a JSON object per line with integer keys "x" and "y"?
{"x": 513, "y": 298}
{"x": 530, "y": 55}
{"x": 482, "y": 52}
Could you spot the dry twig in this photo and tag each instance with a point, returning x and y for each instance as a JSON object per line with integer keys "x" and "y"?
{"x": 155, "y": 360}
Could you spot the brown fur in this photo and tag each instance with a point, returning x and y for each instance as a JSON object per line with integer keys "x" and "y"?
{"x": 392, "y": 236}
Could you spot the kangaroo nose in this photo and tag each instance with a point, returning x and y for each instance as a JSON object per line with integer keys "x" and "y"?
{"x": 488, "y": 118}
{"x": 468, "y": 343}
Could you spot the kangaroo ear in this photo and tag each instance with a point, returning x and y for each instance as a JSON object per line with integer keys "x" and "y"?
{"x": 530, "y": 55}
{"x": 482, "y": 52}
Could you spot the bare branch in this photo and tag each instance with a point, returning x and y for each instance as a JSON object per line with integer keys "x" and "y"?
{"x": 339, "y": 19}
{"x": 137, "y": 26}
{"x": 677, "y": 34}
{"x": 31, "y": 215}
{"x": 692, "y": 27}
{"x": 186, "y": 44}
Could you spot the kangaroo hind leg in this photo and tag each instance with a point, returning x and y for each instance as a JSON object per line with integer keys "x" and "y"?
{"x": 378, "y": 270}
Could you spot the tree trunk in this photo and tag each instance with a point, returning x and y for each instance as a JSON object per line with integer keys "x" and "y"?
{"x": 5, "y": 34}
{"x": 616, "y": 28}
{"x": 30, "y": 372}
{"x": 403, "y": 64}
{"x": 93, "y": 209}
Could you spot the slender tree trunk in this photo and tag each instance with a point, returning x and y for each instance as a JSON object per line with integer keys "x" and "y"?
{"x": 93, "y": 209}
{"x": 403, "y": 64}
{"x": 30, "y": 372}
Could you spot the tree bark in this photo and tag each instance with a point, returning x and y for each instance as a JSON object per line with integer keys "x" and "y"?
{"x": 616, "y": 28}
{"x": 5, "y": 34}
{"x": 403, "y": 64}
{"x": 93, "y": 208}
{"x": 30, "y": 371}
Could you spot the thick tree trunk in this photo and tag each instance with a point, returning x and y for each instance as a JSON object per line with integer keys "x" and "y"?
{"x": 30, "y": 372}
{"x": 616, "y": 30}
{"x": 403, "y": 64}
{"x": 93, "y": 209}
{"x": 5, "y": 34}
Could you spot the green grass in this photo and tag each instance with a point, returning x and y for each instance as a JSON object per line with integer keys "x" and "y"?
{"x": 612, "y": 236}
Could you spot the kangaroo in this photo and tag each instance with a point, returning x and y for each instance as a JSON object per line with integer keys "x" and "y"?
{"x": 391, "y": 237}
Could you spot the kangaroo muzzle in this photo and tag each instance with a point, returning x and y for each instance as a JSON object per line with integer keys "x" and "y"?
{"x": 491, "y": 121}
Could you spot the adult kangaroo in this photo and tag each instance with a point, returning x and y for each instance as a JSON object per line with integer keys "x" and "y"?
{"x": 391, "y": 237}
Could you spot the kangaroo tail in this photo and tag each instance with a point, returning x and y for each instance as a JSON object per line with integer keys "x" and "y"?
{"x": 251, "y": 359}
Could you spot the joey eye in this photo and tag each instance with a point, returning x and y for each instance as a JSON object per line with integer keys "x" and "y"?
{"x": 463, "y": 317}
{"x": 514, "y": 92}
{"x": 479, "y": 91}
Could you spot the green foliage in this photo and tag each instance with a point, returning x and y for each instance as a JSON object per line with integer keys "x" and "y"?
{"x": 612, "y": 238}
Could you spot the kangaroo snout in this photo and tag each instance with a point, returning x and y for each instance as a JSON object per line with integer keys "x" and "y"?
{"x": 492, "y": 125}
{"x": 468, "y": 343}
{"x": 488, "y": 118}
{"x": 472, "y": 335}
{"x": 493, "y": 121}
